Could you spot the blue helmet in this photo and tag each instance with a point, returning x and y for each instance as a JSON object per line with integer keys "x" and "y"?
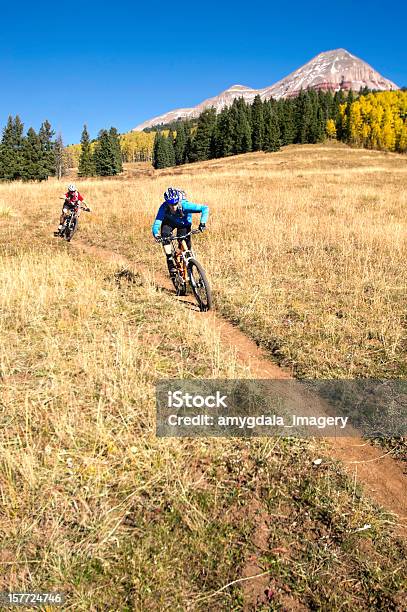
{"x": 172, "y": 196}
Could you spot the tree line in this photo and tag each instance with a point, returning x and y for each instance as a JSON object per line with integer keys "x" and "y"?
{"x": 263, "y": 125}
{"x": 31, "y": 156}
{"x": 375, "y": 120}
{"x": 266, "y": 125}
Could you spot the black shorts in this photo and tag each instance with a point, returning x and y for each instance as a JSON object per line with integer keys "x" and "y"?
{"x": 168, "y": 227}
{"x": 67, "y": 208}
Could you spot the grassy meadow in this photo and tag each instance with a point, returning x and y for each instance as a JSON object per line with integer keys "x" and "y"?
{"x": 306, "y": 252}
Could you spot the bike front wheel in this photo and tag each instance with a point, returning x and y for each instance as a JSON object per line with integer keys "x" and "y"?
{"x": 200, "y": 285}
{"x": 71, "y": 229}
{"x": 180, "y": 285}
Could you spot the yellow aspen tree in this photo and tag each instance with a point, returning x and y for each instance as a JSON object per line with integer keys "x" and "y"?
{"x": 137, "y": 146}
{"x": 355, "y": 123}
{"x": 388, "y": 137}
{"x": 366, "y": 134}
{"x": 402, "y": 147}
{"x": 377, "y": 120}
{"x": 74, "y": 152}
{"x": 375, "y": 135}
{"x": 330, "y": 128}
{"x": 398, "y": 128}
{"x": 388, "y": 133}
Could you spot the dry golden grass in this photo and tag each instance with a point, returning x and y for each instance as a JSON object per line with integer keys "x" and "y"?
{"x": 306, "y": 250}
{"x": 91, "y": 502}
{"x": 82, "y": 478}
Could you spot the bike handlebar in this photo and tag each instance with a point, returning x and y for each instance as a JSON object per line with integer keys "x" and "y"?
{"x": 167, "y": 238}
{"x": 85, "y": 208}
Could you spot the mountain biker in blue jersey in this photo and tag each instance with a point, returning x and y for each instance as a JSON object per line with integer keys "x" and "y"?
{"x": 176, "y": 213}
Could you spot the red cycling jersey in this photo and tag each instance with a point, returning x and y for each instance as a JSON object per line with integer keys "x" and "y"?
{"x": 73, "y": 197}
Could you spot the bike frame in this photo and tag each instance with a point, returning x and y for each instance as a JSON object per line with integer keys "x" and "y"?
{"x": 182, "y": 250}
{"x": 75, "y": 212}
{"x": 182, "y": 253}
{"x": 71, "y": 216}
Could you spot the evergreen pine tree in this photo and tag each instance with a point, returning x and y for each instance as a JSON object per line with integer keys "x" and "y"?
{"x": 169, "y": 144}
{"x": 257, "y": 121}
{"x": 46, "y": 135}
{"x": 105, "y": 155}
{"x": 190, "y": 154}
{"x": 60, "y": 158}
{"x": 86, "y": 165}
{"x": 180, "y": 144}
{"x": 160, "y": 153}
{"x": 10, "y": 149}
{"x": 223, "y": 135}
{"x": 320, "y": 125}
{"x": 304, "y": 117}
{"x": 115, "y": 141}
{"x": 326, "y": 102}
{"x": 7, "y": 153}
{"x": 266, "y": 118}
{"x": 205, "y": 134}
{"x": 242, "y": 129}
{"x": 33, "y": 167}
{"x": 314, "y": 129}
{"x": 18, "y": 139}
{"x": 272, "y": 131}
{"x": 286, "y": 119}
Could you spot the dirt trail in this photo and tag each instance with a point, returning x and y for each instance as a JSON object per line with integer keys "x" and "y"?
{"x": 382, "y": 477}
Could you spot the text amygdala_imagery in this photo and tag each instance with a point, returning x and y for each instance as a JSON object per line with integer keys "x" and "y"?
{"x": 280, "y": 407}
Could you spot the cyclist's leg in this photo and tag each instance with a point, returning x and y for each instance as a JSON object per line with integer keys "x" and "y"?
{"x": 61, "y": 220}
{"x": 181, "y": 231}
{"x": 166, "y": 231}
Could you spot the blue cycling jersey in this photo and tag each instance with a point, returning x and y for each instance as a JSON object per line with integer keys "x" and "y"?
{"x": 182, "y": 217}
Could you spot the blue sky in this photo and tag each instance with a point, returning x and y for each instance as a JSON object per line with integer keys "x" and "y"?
{"x": 118, "y": 64}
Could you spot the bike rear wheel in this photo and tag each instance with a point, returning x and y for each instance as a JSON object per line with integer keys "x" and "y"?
{"x": 200, "y": 285}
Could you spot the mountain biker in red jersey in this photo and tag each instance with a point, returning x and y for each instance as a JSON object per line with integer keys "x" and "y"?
{"x": 72, "y": 199}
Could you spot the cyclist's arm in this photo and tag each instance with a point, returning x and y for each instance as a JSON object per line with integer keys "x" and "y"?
{"x": 82, "y": 203}
{"x": 158, "y": 220}
{"x": 195, "y": 208}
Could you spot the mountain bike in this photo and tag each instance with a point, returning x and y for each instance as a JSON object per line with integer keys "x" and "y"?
{"x": 70, "y": 224}
{"x": 188, "y": 268}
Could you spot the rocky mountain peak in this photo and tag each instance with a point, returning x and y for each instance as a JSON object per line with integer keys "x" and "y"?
{"x": 330, "y": 70}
